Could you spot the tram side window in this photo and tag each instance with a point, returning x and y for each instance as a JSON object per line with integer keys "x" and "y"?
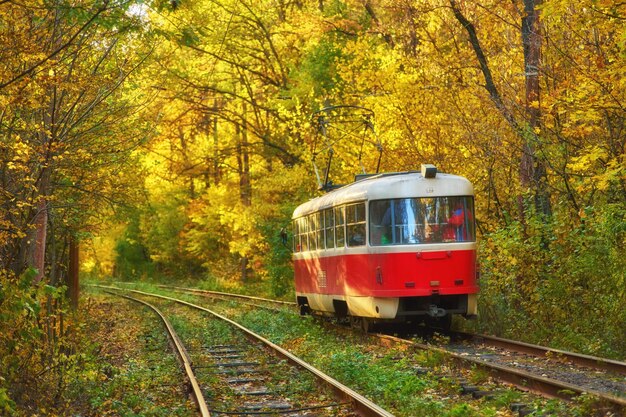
{"x": 340, "y": 231}
{"x": 304, "y": 237}
{"x": 355, "y": 224}
{"x": 312, "y": 231}
{"x": 296, "y": 237}
{"x": 299, "y": 235}
{"x": 319, "y": 230}
{"x": 329, "y": 227}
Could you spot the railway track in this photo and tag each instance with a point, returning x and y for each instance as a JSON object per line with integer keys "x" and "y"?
{"x": 549, "y": 372}
{"x": 182, "y": 355}
{"x": 600, "y": 364}
{"x": 243, "y": 299}
{"x": 226, "y": 362}
{"x": 533, "y": 379}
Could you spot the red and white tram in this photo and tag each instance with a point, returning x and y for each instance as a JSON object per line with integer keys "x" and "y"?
{"x": 389, "y": 247}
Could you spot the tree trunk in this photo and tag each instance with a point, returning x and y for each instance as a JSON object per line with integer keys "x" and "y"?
{"x": 216, "y": 153}
{"x": 36, "y": 257}
{"x": 532, "y": 168}
{"x": 73, "y": 286}
{"x": 38, "y": 243}
{"x": 532, "y": 171}
{"x": 244, "y": 172}
{"x": 243, "y": 161}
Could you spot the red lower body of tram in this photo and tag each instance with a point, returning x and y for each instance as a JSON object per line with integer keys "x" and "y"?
{"x": 396, "y": 285}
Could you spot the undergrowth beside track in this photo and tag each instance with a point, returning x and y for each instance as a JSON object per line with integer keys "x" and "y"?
{"x": 139, "y": 373}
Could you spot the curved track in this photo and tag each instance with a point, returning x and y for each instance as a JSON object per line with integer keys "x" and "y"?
{"x": 527, "y": 380}
{"x": 360, "y": 404}
{"x": 182, "y": 355}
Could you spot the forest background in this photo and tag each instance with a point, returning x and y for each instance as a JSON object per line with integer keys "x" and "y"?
{"x": 174, "y": 139}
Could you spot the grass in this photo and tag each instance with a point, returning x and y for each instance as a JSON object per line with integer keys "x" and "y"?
{"x": 137, "y": 374}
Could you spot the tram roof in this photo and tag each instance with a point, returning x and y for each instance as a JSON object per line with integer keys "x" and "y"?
{"x": 388, "y": 186}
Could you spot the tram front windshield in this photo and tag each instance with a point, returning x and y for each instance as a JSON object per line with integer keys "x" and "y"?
{"x": 407, "y": 221}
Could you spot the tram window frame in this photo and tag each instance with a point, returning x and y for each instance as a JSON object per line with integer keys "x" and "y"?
{"x": 340, "y": 227}
{"x": 356, "y": 228}
{"x": 329, "y": 228}
{"x": 295, "y": 243}
{"x": 433, "y": 224}
{"x": 319, "y": 230}
{"x": 304, "y": 232}
{"x": 312, "y": 231}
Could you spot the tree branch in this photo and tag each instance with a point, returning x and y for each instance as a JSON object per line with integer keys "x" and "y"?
{"x": 56, "y": 51}
{"x": 484, "y": 67}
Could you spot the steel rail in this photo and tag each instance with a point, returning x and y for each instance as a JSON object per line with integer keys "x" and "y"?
{"x": 230, "y": 297}
{"x": 523, "y": 347}
{"x": 226, "y": 294}
{"x": 523, "y": 380}
{"x": 361, "y": 405}
{"x": 182, "y": 354}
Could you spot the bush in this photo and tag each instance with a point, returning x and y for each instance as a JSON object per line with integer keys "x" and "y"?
{"x": 558, "y": 284}
{"x": 42, "y": 352}
{"x": 132, "y": 260}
